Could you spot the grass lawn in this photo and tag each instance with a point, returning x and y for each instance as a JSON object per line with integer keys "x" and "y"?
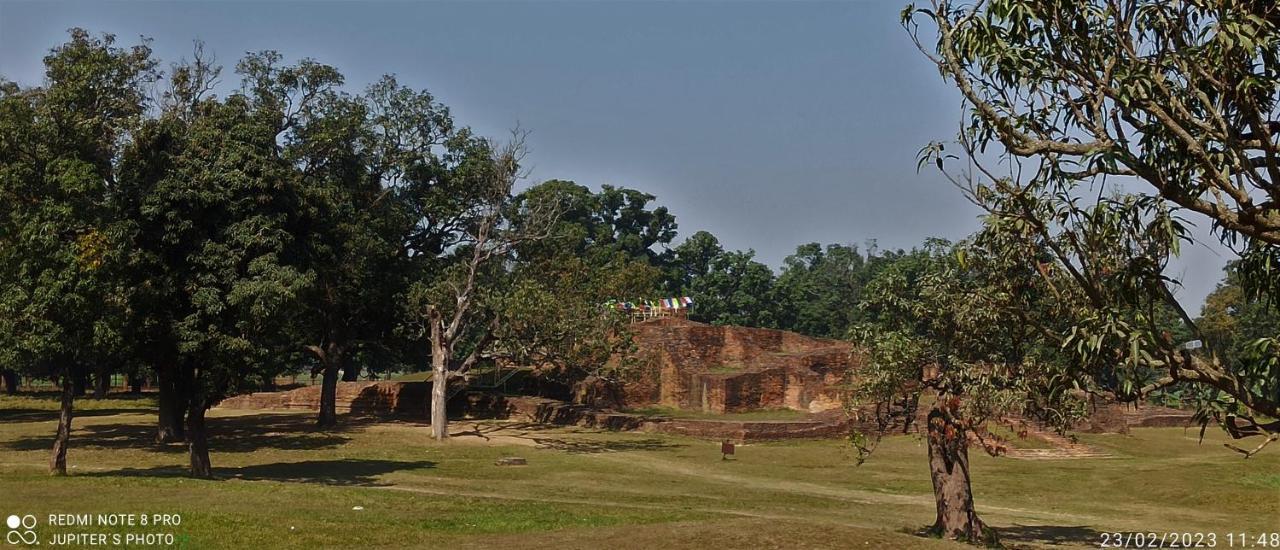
{"x": 283, "y": 484}
{"x": 420, "y": 376}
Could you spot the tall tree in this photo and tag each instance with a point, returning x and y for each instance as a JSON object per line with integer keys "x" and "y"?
{"x": 461, "y": 319}
{"x": 1235, "y": 323}
{"x": 692, "y": 260}
{"x": 59, "y": 147}
{"x": 214, "y": 201}
{"x": 555, "y": 309}
{"x": 949, "y": 324}
{"x": 613, "y": 220}
{"x": 819, "y": 288}
{"x": 351, "y": 226}
{"x": 1180, "y": 99}
{"x": 736, "y": 290}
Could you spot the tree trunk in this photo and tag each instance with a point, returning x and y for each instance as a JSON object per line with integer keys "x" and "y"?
{"x": 439, "y": 379}
{"x": 10, "y": 382}
{"x": 330, "y": 358}
{"x": 949, "y": 468}
{"x": 80, "y": 381}
{"x": 58, "y": 461}
{"x": 173, "y": 405}
{"x": 197, "y": 440}
{"x": 135, "y": 384}
{"x": 101, "y": 381}
{"x": 350, "y": 370}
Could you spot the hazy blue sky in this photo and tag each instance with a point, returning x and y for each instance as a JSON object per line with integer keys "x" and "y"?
{"x": 767, "y": 124}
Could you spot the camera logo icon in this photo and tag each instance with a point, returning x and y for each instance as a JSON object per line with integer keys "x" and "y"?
{"x": 21, "y": 529}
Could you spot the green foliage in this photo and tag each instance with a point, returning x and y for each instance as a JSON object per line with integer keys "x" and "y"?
{"x": 598, "y": 250}
{"x": 736, "y": 290}
{"x": 1178, "y": 98}
{"x": 60, "y": 238}
{"x": 614, "y": 220}
{"x": 214, "y": 262}
{"x": 819, "y": 290}
{"x": 942, "y": 320}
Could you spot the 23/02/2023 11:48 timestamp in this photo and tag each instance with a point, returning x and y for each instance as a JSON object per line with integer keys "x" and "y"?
{"x": 1236, "y": 539}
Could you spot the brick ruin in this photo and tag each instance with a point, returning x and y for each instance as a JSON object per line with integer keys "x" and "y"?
{"x": 725, "y": 369}
{"x": 686, "y": 365}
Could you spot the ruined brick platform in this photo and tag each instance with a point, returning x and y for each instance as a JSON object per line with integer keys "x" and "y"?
{"x": 722, "y": 369}
{"x": 358, "y": 398}
{"x": 409, "y": 400}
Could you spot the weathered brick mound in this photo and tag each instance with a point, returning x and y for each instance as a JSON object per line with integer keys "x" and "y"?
{"x": 551, "y": 411}
{"x": 740, "y": 431}
{"x": 409, "y": 399}
{"x": 728, "y": 369}
{"x": 359, "y": 398}
{"x": 1154, "y": 416}
{"x": 1110, "y": 416}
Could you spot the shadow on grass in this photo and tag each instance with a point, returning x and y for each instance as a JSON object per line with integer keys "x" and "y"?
{"x": 39, "y": 415}
{"x": 1049, "y": 535}
{"x": 233, "y": 434}
{"x": 56, "y": 396}
{"x": 345, "y": 471}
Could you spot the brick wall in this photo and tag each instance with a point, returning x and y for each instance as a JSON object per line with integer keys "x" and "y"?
{"x": 692, "y": 365}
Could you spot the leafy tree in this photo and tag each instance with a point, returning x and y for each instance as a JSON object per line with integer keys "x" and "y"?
{"x": 1238, "y": 326}
{"x": 727, "y": 287}
{"x": 214, "y": 202}
{"x": 692, "y": 260}
{"x": 1179, "y": 98}
{"x": 819, "y": 289}
{"x": 737, "y": 290}
{"x": 352, "y": 226}
{"x": 555, "y": 306}
{"x": 1110, "y": 139}
{"x": 600, "y": 225}
{"x": 950, "y": 325}
{"x": 554, "y": 317}
{"x": 59, "y": 236}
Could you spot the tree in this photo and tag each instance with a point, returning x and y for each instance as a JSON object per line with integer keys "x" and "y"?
{"x": 160, "y": 237}
{"x": 216, "y": 256}
{"x": 59, "y": 243}
{"x": 737, "y": 290}
{"x": 1112, "y": 138}
{"x": 1233, "y": 322}
{"x": 556, "y": 308}
{"x": 460, "y": 312}
{"x": 352, "y": 224}
{"x": 819, "y": 289}
{"x": 616, "y": 220}
{"x": 949, "y": 323}
{"x": 692, "y": 260}
{"x": 1109, "y": 139}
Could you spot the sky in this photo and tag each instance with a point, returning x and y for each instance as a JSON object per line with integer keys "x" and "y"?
{"x": 769, "y": 124}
